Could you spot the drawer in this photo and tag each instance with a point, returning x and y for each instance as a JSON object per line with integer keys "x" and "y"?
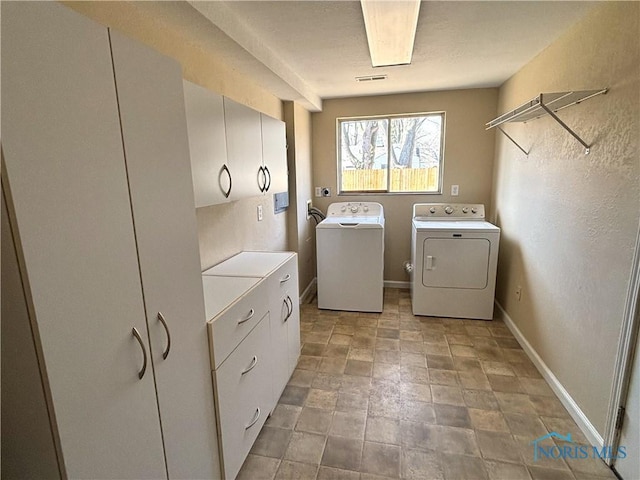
{"x": 284, "y": 281}
{"x": 243, "y": 399}
{"x": 228, "y": 329}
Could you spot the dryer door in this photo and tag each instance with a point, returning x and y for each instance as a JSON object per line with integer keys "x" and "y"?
{"x": 456, "y": 262}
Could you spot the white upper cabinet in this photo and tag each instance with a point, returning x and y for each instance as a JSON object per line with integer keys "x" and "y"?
{"x": 207, "y": 145}
{"x": 244, "y": 149}
{"x": 274, "y": 154}
{"x": 236, "y": 152}
{"x": 152, "y": 111}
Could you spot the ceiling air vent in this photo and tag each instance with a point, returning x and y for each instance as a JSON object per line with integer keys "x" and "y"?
{"x": 371, "y": 78}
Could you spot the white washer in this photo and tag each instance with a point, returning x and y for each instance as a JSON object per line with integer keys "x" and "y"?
{"x": 350, "y": 254}
{"x": 454, "y": 253}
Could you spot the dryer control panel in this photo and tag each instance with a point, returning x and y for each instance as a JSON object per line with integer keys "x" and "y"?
{"x": 456, "y": 211}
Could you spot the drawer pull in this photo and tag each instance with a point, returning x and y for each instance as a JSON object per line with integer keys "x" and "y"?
{"x": 254, "y": 362}
{"x": 248, "y": 317}
{"x": 286, "y": 278}
{"x": 255, "y": 418}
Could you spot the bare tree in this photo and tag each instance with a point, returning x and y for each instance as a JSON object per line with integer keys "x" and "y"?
{"x": 407, "y": 130}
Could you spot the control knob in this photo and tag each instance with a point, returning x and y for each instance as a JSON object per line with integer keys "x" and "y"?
{"x": 354, "y": 209}
{"x": 474, "y": 210}
{"x": 465, "y": 209}
{"x": 448, "y": 209}
{"x": 432, "y": 209}
{"x": 343, "y": 209}
{"x": 365, "y": 208}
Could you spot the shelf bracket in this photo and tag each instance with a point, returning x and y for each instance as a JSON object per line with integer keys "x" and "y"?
{"x": 513, "y": 141}
{"x": 566, "y": 127}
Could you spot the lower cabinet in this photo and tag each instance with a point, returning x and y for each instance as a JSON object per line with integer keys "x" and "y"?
{"x": 253, "y": 351}
{"x": 285, "y": 323}
{"x": 244, "y": 394}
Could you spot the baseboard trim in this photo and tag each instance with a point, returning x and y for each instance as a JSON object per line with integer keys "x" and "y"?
{"x": 569, "y": 403}
{"x": 396, "y": 284}
{"x": 309, "y": 292}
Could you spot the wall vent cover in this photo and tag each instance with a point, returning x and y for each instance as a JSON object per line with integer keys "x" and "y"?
{"x": 371, "y": 78}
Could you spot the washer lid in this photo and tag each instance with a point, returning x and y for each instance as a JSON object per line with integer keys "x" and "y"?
{"x": 352, "y": 221}
{"x": 455, "y": 226}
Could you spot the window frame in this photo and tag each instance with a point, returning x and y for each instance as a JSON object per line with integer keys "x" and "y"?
{"x": 389, "y": 117}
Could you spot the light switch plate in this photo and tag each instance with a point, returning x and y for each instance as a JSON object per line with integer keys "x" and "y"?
{"x": 259, "y": 213}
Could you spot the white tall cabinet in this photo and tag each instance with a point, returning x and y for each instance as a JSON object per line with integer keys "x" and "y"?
{"x": 98, "y": 184}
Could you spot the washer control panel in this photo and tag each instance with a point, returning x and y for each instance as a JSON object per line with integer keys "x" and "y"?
{"x": 457, "y": 211}
{"x": 360, "y": 209}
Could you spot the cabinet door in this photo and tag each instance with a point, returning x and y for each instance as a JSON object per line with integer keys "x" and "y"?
{"x": 69, "y": 202}
{"x": 152, "y": 113}
{"x": 293, "y": 324}
{"x": 285, "y": 323}
{"x": 207, "y": 145}
{"x": 274, "y": 154}
{"x": 244, "y": 149}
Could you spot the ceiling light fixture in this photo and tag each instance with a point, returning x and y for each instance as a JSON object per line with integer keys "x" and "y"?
{"x": 391, "y": 30}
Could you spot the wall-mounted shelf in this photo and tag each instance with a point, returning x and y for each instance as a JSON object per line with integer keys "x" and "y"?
{"x": 545, "y": 104}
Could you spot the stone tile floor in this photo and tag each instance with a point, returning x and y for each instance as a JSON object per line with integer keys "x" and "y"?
{"x": 392, "y": 395}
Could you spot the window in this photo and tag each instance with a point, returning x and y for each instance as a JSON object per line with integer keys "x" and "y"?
{"x": 391, "y": 154}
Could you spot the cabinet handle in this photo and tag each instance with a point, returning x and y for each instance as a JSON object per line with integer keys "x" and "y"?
{"x": 268, "y": 185}
{"x": 255, "y": 418}
{"x": 226, "y": 169}
{"x": 144, "y": 352}
{"x": 290, "y": 306}
{"x": 248, "y": 317}
{"x": 254, "y": 362}
{"x": 286, "y": 278}
{"x": 286, "y": 304}
{"x": 261, "y": 186}
{"x": 165, "y": 354}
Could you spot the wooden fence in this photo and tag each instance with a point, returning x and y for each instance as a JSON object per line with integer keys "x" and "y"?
{"x": 402, "y": 180}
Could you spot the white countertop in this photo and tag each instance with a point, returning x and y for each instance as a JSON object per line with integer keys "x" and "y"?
{"x": 249, "y": 264}
{"x": 221, "y": 292}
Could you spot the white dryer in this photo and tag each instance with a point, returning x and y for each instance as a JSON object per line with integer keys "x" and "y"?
{"x": 454, "y": 252}
{"x": 350, "y": 256}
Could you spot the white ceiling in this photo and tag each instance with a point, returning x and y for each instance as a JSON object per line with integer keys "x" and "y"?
{"x": 311, "y": 50}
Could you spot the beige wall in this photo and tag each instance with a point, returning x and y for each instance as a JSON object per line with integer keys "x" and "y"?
{"x": 301, "y": 230}
{"x": 468, "y": 157}
{"x": 169, "y": 27}
{"x": 569, "y": 221}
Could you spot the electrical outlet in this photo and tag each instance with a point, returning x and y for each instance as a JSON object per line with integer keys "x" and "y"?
{"x": 326, "y": 192}
{"x": 259, "y": 213}
{"x": 454, "y": 190}
{"x": 318, "y": 191}
{"x": 519, "y": 292}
